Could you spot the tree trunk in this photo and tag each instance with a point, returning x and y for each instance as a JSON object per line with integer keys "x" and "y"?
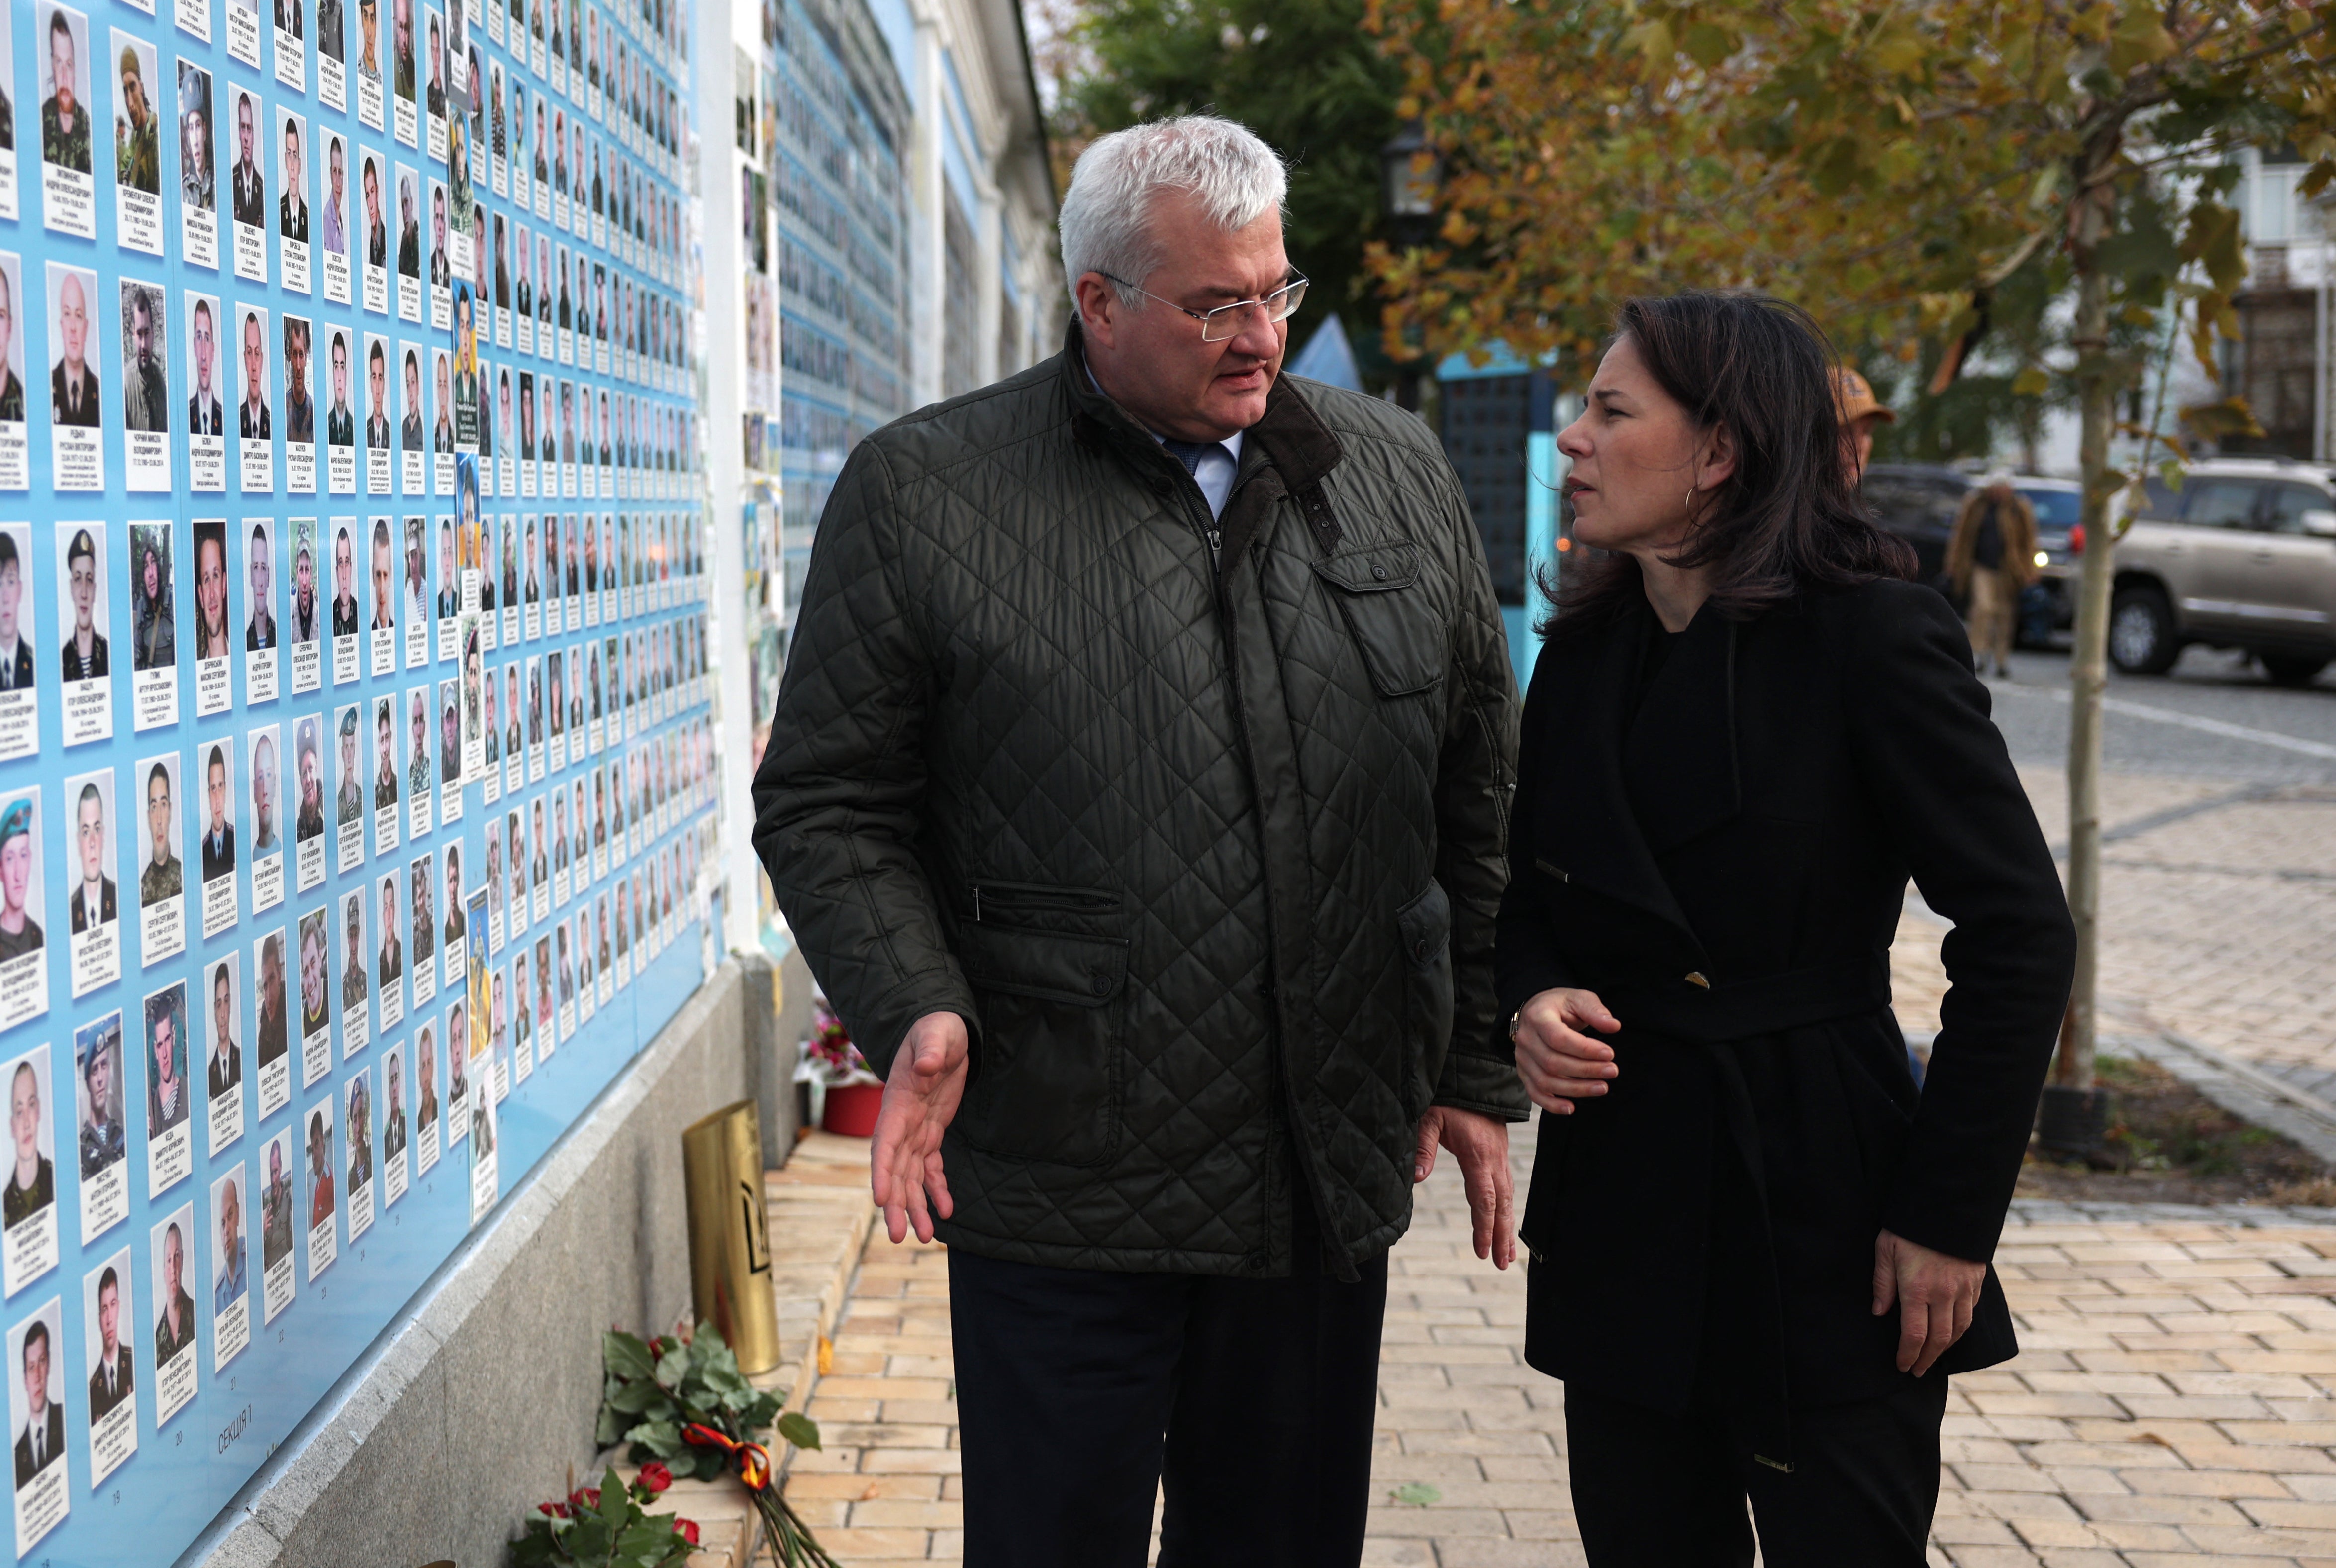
{"x": 2088, "y": 660}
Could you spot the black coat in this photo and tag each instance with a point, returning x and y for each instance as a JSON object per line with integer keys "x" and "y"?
{"x": 1725, "y": 867}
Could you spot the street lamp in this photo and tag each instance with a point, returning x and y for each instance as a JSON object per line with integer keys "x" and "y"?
{"x": 1409, "y": 172}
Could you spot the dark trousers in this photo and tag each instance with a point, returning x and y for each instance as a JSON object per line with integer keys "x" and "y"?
{"x": 1249, "y": 1403}
{"x": 1668, "y": 1491}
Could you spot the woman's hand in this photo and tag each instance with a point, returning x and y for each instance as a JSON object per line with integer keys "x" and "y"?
{"x": 1559, "y": 1064}
{"x": 1935, "y": 1296}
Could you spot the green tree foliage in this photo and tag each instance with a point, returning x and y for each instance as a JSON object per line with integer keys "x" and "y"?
{"x": 1302, "y": 73}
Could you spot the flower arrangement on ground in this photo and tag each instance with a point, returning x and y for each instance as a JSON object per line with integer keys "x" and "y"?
{"x": 607, "y": 1526}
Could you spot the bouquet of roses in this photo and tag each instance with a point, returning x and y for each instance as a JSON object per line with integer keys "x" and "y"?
{"x": 829, "y": 1057}
{"x": 684, "y": 1408}
{"x": 607, "y": 1526}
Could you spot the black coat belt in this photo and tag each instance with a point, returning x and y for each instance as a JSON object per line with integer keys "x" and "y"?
{"x": 1715, "y": 1015}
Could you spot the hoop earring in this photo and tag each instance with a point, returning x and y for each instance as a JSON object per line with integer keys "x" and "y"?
{"x": 1688, "y": 504}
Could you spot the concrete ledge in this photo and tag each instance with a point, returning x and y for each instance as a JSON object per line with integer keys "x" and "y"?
{"x": 478, "y": 1400}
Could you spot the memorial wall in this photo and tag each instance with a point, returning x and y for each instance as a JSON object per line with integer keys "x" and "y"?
{"x": 356, "y": 760}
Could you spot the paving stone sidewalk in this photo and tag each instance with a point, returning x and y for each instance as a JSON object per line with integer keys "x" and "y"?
{"x": 2173, "y": 1406}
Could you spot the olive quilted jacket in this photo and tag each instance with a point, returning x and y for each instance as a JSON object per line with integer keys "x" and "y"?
{"x": 1207, "y": 860}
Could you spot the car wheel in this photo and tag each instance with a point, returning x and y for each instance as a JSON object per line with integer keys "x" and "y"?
{"x": 2293, "y": 668}
{"x": 2143, "y": 639}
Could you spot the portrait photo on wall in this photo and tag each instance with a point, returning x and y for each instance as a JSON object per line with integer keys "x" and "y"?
{"x": 154, "y": 621}
{"x": 93, "y": 908}
{"x": 198, "y": 166}
{"x": 100, "y": 1098}
{"x": 169, "y": 1095}
{"x": 16, "y": 473}
{"x": 255, "y": 421}
{"x": 216, "y": 811}
{"x": 333, "y": 219}
{"x": 173, "y": 1239}
{"x": 24, "y": 910}
{"x": 247, "y": 187}
{"x": 84, "y": 653}
{"x": 37, "y": 1421}
{"x": 161, "y": 875}
{"x": 76, "y": 454}
{"x": 68, "y": 187}
{"x": 291, "y": 215}
{"x": 145, "y": 387}
{"x": 28, "y": 1200}
{"x": 231, "y": 1274}
{"x": 271, "y": 1023}
{"x": 109, "y": 1328}
{"x": 222, "y": 1051}
{"x": 137, "y": 143}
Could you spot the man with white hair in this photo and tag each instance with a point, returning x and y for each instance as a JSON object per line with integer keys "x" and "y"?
{"x": 1138, "y": 796}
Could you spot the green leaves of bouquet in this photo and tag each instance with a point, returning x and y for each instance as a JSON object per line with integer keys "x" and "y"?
{"x": 652, "y": 1389}
{"x": 606, "y": 1526}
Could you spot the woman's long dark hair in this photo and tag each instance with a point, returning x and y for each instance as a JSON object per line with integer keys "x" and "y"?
{"x": 1789, "y": 517}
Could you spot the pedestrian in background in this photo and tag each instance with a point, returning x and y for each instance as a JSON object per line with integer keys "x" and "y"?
{"x": 1136, "y": 791}
{"x": 1991, "y": 557}
{"x": 1757, "y": 1251}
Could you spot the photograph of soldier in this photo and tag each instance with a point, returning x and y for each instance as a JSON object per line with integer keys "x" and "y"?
{"x": 385, "y": 756}
{"x": 340, "y": 419}
{"x": 38, "y": 1408}
{"x": 401, "y": 49}
{"x": 73, "y": 380}
{"x": 219, "y": 815}
{"x": 355, "y": 984}
{"x": 145, "y": 384}
{"x": 99, "y": 1105}
{"x": 454, "y": 918}
{"x": 304, "y": 581}
{"x": 393, "y": 1120}
{"x": 391, "y": 957}
{"x": 377, "y": 245}
{"x": 247, "y": 190}
{"x": 335, "y": 219}
{"x": 321, "y": 1196}
{"x": 376, "y": 396}
{"x": 12, "y": 383}
{"x": 434, "y": 97}
{"x": 450, "y": 732}
{"x": 275, "y": 1204}
{"x": 205, "y": 415}
{"x": 253, "y": 421}
{"x": 409, "y": 226}
{"x": 259, "y": 625}
{"x": 32, "y": 1175}
{"x": 164, "y": 875}
{"x": 290, "y": 18}
{"x": 313, "y": 1002}
{"x": 198, "y": 175}
{"x": 112, "y": 1380}
{"x": 442, "y": 429}
{"x": 95, "y": 900}
{"x": 299, "y": 407}
{"x": 212, "y": 639}
{"x": 425, "y": 1071}
{"x": 273, "y": 1037}
{"x": 292, "y": 204}
{"x": 441, "y": 273}
{"x": 174, "y": 1325}
{"x": 425, "y": 924}
{"x": 152, "y": 597}
{"x": 65, "y": 82}
{"x": 368, "y": 39}
{"x": 418, "y": 573}
{"x": 384, "y": 590}
{"x": 84, "y": 656}
{"x": 410, "y": 427}
{"x": 344, "y": 581}
{"x": 358, "y": 1129}
{"x": 308, "y": 822}
{"x": 348, "y": 799}
{"x": 137, "y": 142}
{"x": 15, "y": 648}
{"x": 223, "y": 1070}
{"x": 166, "y": 1083}
{"x": 267, "y": 834}
{"x": 417, "y": 745}
{"x": 230, "y": 1268}
{"x": 331, "y": 41}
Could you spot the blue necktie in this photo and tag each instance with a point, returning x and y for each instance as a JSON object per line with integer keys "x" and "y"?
{"x": 1188, "y": 452}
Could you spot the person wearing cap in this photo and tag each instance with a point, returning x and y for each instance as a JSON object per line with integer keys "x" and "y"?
{"x": 84, "y": 655}
{"x": 1991, "y": 557}
{"x": 20, "y": 933}
{"x": 1860, "y": 411}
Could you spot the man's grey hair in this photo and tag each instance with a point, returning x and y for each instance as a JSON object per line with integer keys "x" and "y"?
{"x": 1106, "y": 228}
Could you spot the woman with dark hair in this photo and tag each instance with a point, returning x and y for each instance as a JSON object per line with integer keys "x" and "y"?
{"x": 1757, "y": 1247}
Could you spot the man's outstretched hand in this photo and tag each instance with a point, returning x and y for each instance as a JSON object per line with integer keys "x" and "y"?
{"x": 921, "y": 1097}
{"x": 1481, "y": 1146}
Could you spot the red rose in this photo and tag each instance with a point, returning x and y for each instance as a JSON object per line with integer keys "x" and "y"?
{"x": 655, "y": 1477}
{"x": 688, "y": 1528}
{"x": 586, "y": 1497}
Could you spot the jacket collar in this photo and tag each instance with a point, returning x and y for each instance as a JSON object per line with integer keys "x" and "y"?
{"x": 1626, "y": 787}
{"x": 1291, "y": 437}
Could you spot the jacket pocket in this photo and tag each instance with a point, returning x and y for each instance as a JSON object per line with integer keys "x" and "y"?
{"x": 1400, "y": 638}
{"x": 1424, "y": 927}
{"x": 1048, "y": 967}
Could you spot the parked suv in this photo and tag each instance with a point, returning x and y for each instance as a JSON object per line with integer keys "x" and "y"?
{"x": 2244, "y": 556}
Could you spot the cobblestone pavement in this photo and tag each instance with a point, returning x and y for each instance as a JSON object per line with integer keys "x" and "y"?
{"x": 2219, "y": 918}
{"x": 2174, "y": 1404}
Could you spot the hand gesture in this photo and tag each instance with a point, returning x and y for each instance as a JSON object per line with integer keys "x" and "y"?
{"x": 921, "y": 1097}
{"x": 1557, "y": 1062}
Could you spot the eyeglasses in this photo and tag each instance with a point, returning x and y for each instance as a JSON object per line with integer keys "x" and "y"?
{"x": 1228, "y": 320}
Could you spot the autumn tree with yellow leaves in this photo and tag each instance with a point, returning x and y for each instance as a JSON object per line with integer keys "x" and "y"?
{"x": 1892, "y": 166}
